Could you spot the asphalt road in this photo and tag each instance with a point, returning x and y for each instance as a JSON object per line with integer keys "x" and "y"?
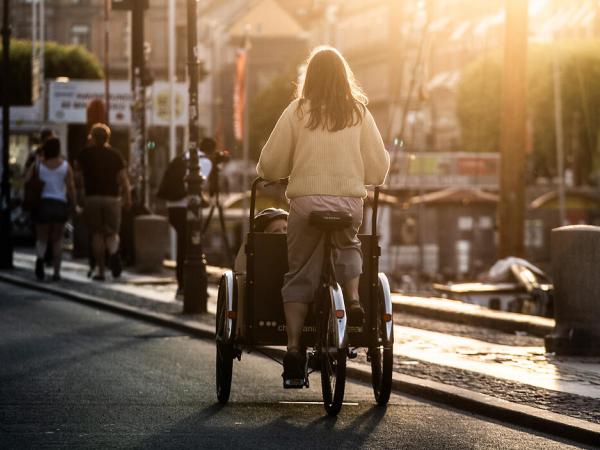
{"x": 75, "y": 377}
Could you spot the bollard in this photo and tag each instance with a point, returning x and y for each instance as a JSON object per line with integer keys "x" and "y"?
{"x": 575, "y": 266}
{"x": 151, "y": 241}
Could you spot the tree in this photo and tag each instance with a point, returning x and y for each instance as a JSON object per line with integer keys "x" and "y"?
{"x": 265, "y": 109}
{"x": 478, "y": 106}
{"x": 60, "y": 61}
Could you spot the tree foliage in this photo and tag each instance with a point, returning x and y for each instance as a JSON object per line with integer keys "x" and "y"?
{"x": 479, "y": 96}
{"x": 265, "y": 109}
{"x": 60, "y": 61}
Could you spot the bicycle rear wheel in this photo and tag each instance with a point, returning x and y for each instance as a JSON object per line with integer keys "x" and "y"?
{"x": 333, "y": 362}
{"x": 225, "y": 354}
{"x": 382, "y": 354}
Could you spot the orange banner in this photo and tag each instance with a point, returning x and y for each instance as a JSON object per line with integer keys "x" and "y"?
{"x": 239, "y": 95}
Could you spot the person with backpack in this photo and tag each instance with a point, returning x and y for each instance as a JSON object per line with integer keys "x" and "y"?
{"x": 173, "y": 190}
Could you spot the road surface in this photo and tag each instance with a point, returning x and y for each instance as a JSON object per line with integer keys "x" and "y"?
{"x": 72, "y": 376}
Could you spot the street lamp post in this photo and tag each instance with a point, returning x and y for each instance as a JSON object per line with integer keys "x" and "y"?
{"x": 138, "y": 88}
{"x": 6, "y": 249}
{"x": 513, "y": 131}
{"x": 195, "y": 281}
{"x": 106, "y": 61}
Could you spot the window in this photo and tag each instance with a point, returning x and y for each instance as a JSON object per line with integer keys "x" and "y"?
{"x": 485, "y": 223}
{"x": 463, "y": 253}
{"x": 465, "y": 223}
{"x": 80, "y": 35}
{"x": 534, "y": 233}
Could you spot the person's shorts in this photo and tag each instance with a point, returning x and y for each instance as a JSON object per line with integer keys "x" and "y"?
{"x": 102, "y": 215}
{"x": 51, "y": 211}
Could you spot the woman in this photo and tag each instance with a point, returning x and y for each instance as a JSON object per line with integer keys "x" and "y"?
{"x": 327, "y": 143}
{"x": 53, "y": 211}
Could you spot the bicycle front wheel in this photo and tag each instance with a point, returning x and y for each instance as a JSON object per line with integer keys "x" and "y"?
{"x": 333, "y": 362}
{"x": 224, "y": 359}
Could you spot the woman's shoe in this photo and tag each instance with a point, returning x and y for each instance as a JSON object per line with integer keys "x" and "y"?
{"x": 56, "y": 277}
{"x": 355, "y": 312}
{"x": 39, "y": 269}
{"x": 294, "y": 370}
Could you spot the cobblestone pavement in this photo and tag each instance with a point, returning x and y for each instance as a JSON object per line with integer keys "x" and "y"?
{"x": 577, "y": 406}
{"x": 470, "y": 331}
{"x": 491, "y": 362}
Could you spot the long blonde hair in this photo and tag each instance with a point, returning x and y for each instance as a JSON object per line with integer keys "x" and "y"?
{"x": 336, "y": 101}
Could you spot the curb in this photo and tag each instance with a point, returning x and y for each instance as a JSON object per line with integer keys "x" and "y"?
{"x": 522, "y": 415}
{"x": 537, "y": 419}
{"x": 194, "y": 328}
{"x": 470, "y": 314}
{"x": 453, "y": 311}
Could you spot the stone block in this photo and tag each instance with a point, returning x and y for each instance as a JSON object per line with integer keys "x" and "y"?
{"x": 576, "y": 277}
{"x": 151, "y": 241}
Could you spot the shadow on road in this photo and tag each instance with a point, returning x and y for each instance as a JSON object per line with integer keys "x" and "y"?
{"x": 252, "y": 425}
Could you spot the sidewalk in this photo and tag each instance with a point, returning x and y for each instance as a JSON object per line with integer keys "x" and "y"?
{"x": 508, "y": 366}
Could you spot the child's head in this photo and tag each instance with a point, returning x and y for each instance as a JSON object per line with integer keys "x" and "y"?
{"x": 271, "y": 220}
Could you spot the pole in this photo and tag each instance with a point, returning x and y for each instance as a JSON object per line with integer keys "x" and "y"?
{"x": 42, "y": 75}
{"x": 511, "y": 211}
{"x": 171, "y": 69}
{"x": 106, "y": 61}
{"x": 139, "y": 101}
{"x": 172, "y": 105}
{"x": 558, "y": 124}
{"x": 6, "y": 249}
{"x": 246, "y": 135}
{"x": 195, "y": 282}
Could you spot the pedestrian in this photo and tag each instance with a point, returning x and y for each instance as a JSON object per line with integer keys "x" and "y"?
{"x": 35, "y": 156}
{"x": 52, "y": 212}
{"x": 173, "y": 189}
{"x": 106, "y": 189}
{"x": 327, "y": 143}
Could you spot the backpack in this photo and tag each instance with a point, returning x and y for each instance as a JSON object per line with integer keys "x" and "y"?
{"x": 172, "y": 187}
{"x": 33, "y": 190}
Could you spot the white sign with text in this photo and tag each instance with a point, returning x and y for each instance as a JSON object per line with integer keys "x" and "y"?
{"x": 68, "y": 101}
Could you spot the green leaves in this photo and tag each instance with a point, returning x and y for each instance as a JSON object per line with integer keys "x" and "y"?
{"x": 60, "y": 60}
{"x": 265, "y": 109}
{"x": 478, "y": 106}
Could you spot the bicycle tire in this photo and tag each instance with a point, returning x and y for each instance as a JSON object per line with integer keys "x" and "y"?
{"x": 224, "y": 356}
{"x": 382, "y": 356}
{"x": 333, "y": 364}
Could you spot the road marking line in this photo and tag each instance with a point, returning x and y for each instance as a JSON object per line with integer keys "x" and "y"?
{"x": 313, "y": 403}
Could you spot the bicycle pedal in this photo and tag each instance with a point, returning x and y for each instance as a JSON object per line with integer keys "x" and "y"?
{"x": 351, "y": 353}
{"x": 295, "y": 383}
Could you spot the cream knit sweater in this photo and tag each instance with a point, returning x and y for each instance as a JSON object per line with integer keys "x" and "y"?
{"x": 321, "y": 162}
